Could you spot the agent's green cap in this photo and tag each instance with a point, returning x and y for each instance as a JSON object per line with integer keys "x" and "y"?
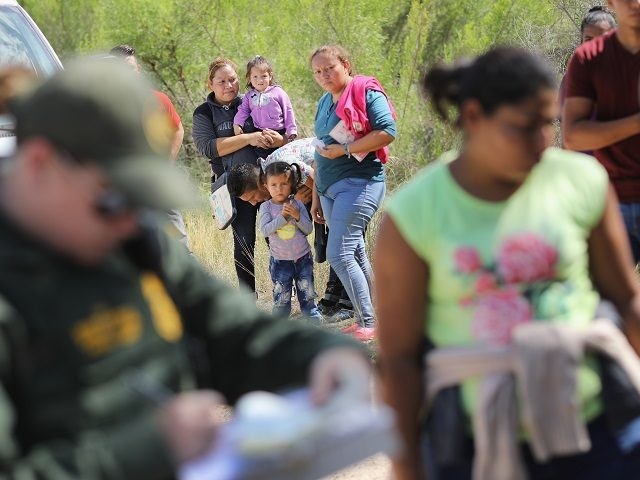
{"x": 100, "y": 111}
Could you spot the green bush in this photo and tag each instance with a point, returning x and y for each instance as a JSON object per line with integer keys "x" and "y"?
{"x": 395, "y": 40}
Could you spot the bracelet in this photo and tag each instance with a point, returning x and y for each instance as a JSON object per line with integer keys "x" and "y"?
{"x": 346, "y": 150}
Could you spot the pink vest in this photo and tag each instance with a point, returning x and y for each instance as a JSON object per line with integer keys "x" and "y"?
{"x": 352, "y": 108}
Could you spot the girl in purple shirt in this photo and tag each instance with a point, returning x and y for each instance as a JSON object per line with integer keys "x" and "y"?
{"x": 265, "y": 102}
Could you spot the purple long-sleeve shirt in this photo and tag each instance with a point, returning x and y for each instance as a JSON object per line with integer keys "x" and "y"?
{"x": 269, "y": 109}
{"x": 287, "y": 239}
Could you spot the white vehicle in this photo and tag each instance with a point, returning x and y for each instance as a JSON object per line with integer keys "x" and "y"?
{"x": 21, "y": 43}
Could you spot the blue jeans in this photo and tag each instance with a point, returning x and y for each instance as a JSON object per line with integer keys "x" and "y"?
{"x": 348, "y": 206}
{"x": 631, "y": 215}
{"x": 283, "y": 274}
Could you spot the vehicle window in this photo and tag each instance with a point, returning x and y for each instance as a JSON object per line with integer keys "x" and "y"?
{"x": 21, "y": 44}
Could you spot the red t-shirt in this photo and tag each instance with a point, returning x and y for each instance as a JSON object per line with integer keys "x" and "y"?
{"x": 605, "y": 72}
{"x": 168, "y": 106}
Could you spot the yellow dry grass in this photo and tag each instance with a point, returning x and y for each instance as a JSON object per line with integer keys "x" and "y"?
{"x": 214, "y": 249}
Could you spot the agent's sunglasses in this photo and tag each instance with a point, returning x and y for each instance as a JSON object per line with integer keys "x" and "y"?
{"x": 110, "y": 203}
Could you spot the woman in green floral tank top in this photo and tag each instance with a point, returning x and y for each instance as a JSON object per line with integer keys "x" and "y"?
{"x": 505, "y": 232}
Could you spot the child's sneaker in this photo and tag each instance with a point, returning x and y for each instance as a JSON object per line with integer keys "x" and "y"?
{"x": 314, "y": 316}
{"x": 364, "y": 334}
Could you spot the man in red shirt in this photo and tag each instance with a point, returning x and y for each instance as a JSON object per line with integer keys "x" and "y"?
{"x": 128, "y": 53}
{"x": 604, "y": 73}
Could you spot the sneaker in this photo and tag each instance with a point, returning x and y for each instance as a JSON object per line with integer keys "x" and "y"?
{"x": 342, "y": 315}
{"x": 364, "y": 334}
{"x": 346, "y": 304}
{"x": 351, "y": 328}
{"x": 315, "y": 317}
{"x": 328, "y": 309}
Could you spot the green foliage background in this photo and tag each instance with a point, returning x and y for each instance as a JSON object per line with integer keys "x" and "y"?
{"x": 395, "y": 40}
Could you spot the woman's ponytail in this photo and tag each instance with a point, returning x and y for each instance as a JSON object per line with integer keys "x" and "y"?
{"x": 443, "y": 86}
{"x": 297, "y": 177}
{"x": 500, "y": 76}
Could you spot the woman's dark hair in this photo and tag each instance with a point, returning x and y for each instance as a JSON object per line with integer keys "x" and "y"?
{"x": 243, "y": 178}
{"x": 334, "y": 50}
{"x": 293, "y": 172}
{"x": 501, "y": 76}
{"x": 263, "y": 64}
{"x": 123, "y": 50}
{"x": 217, "y": 64}
{"x": 596, "y": 15}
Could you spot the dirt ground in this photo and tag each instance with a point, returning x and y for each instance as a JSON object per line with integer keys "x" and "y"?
{"x": 377, "y": 467}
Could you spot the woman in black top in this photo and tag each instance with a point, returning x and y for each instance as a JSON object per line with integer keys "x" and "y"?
{"x": 214, "y": 138}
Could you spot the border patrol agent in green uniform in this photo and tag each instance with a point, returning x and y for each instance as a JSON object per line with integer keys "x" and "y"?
{"x": 101, "y": 314}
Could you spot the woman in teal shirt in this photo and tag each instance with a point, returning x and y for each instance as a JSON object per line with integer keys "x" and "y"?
{"x": 504, "y": 232}
{"x": 349, "y": 184}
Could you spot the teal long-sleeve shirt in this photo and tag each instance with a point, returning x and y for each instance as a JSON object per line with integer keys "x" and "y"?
{"x": 329, "y": 171}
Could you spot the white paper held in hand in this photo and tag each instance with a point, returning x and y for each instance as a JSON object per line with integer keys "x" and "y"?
{"x": 341, "y": 134}
{"x": 316, "y": 142}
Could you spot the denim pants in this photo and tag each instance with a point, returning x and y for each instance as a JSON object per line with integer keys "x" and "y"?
{"x": 283, "y": 274}
{"x": 348, "y": 206}
{"x": 631, "y": 216}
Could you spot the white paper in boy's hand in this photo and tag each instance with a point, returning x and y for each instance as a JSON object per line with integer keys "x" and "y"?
{"x": 316, "y": 142}
{"x": 341, "y": 134}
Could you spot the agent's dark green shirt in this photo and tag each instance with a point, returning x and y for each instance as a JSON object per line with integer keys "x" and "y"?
{"x": 85, "y": 354}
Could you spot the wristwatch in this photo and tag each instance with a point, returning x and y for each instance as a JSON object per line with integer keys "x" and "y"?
{"x": 346, "y": 150}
